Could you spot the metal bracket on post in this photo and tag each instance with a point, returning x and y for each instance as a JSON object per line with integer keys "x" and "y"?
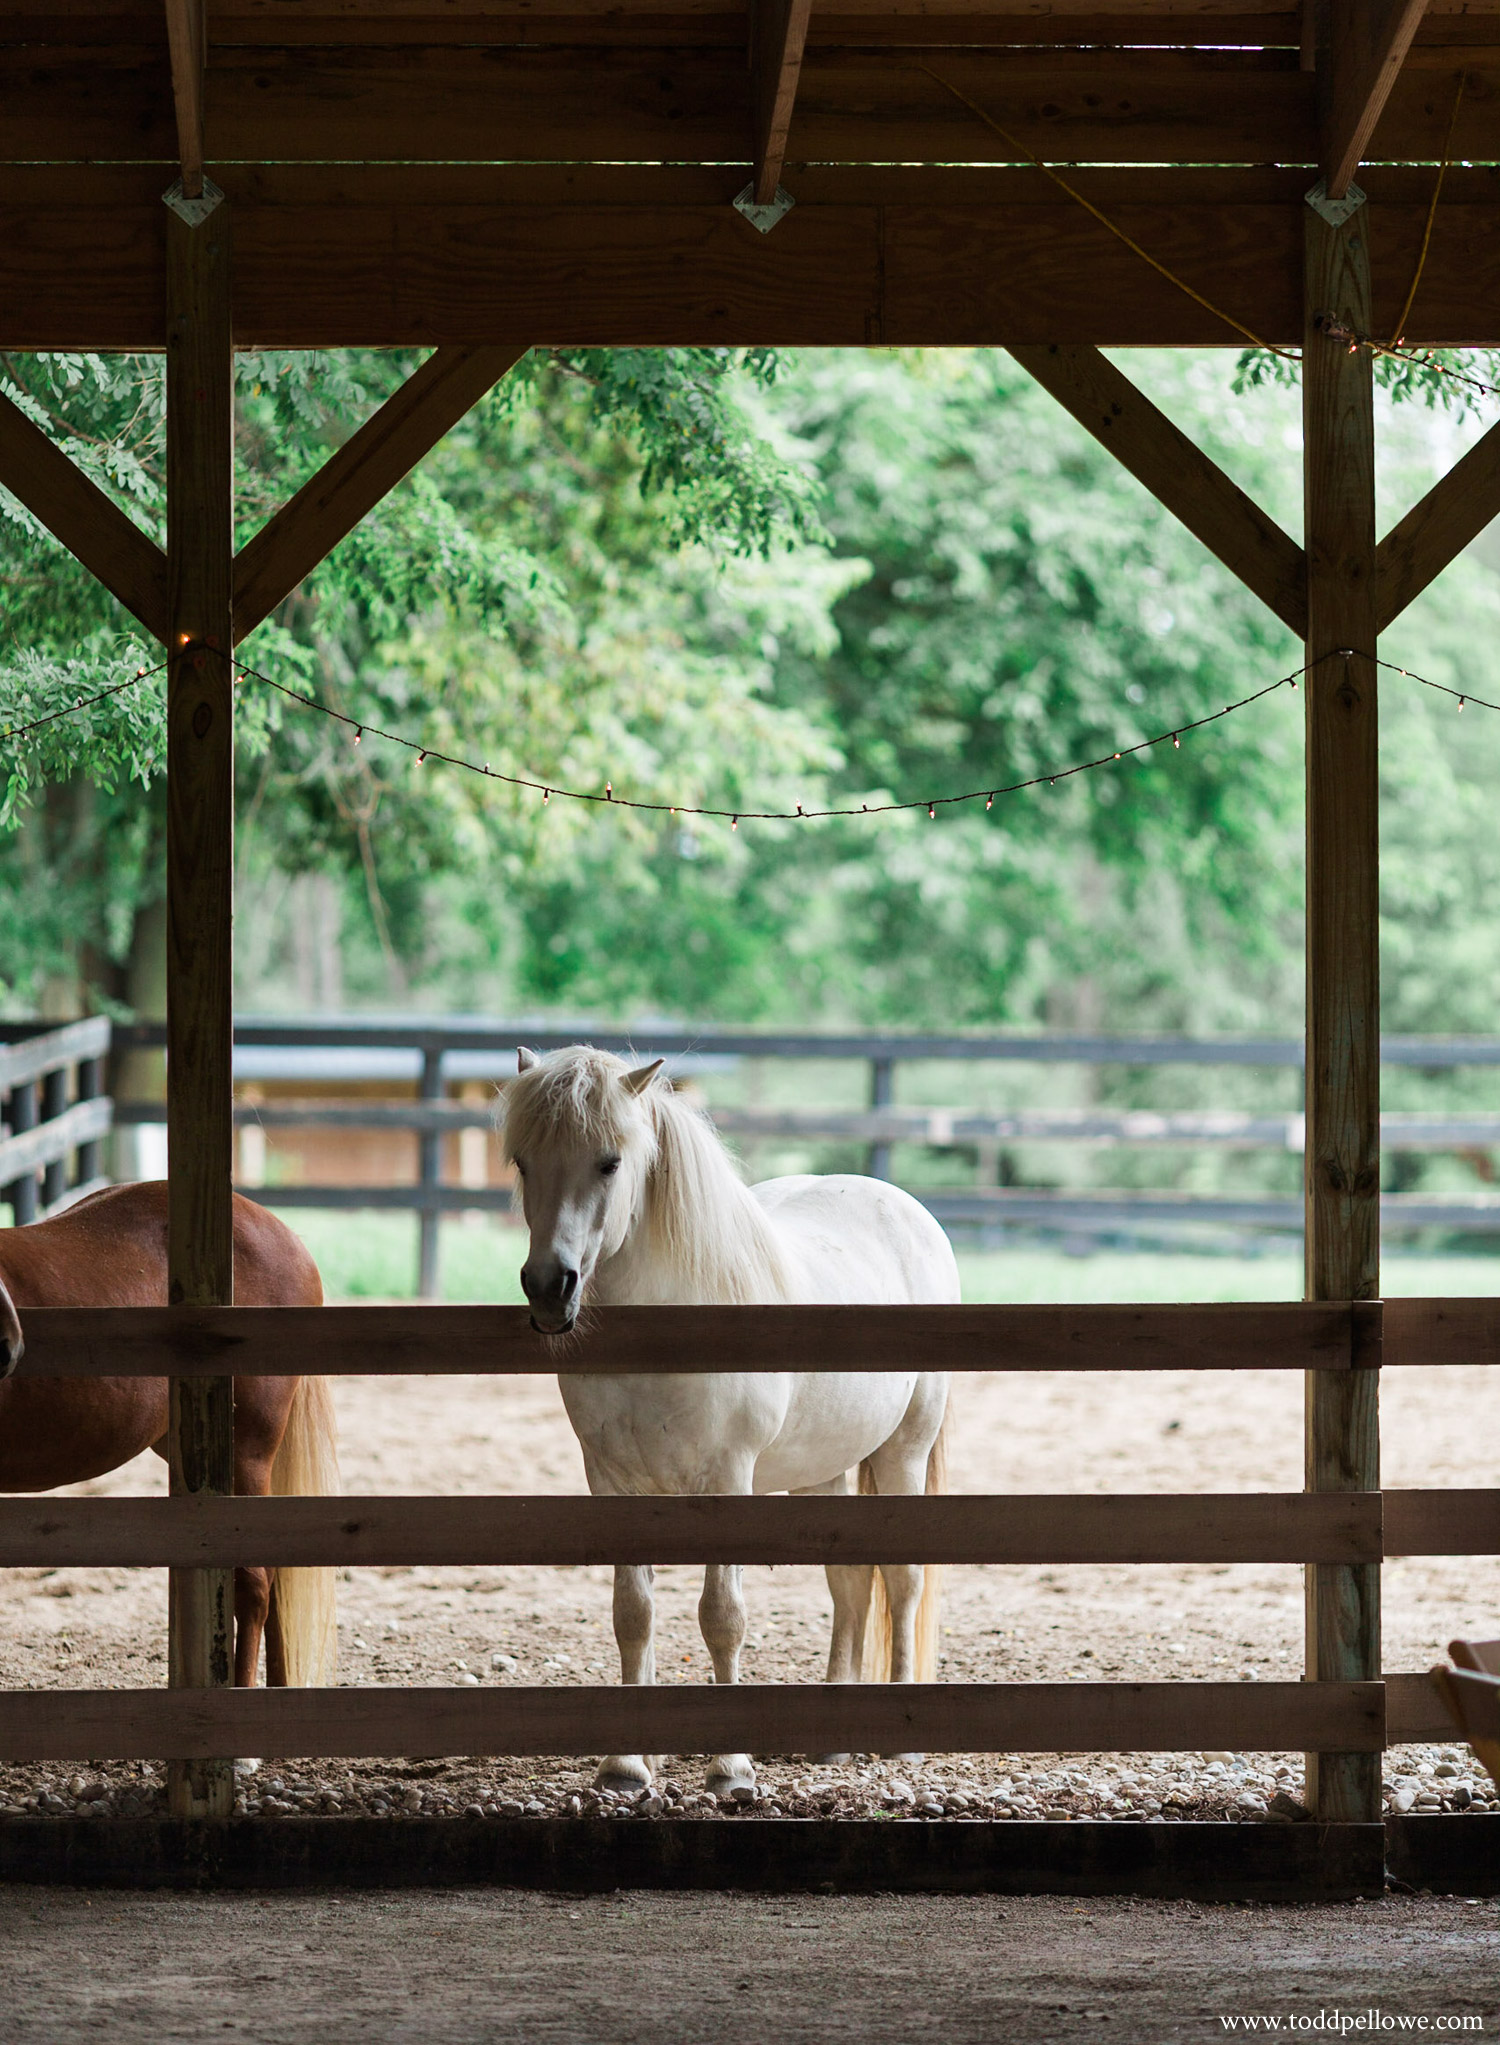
{"x": 764, "y": 217}
{"x": 193, "y": 211}
{"x": 1334, "y": 211}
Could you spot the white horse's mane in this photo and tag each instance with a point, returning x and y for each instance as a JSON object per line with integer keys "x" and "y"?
{"x": 707, "y": 1240}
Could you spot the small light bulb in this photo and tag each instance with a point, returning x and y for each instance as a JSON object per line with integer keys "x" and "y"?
{"x": 989, "y": 802}
{"x": 420, "y": 758}
{"x": 359, "y": 732}
{"x": 734, "y": 823}
{"x": 1460, "y": 702}
{"x": 1176, "y": 742}
{"x": 931, "y": 813}
{"x": 609, "y": 791}
{"x": 546, "y": 797}
{"x": 1117, "y": 756}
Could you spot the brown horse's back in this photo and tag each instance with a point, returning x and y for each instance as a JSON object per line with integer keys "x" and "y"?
{"x": 111, "y": 1251}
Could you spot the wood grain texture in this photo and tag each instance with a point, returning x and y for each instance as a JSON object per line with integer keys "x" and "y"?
{"x": 1367, "y": 45}
{"x": 439, "y": 104}
{"x": 1438, "y": 527}
{"x": 1342, "y": 1162}
{"x": 469, "y": 256}
{"x": 778, "y": 35}
{"x": 1441, "y": 1331}
{"x": 76, "y": 511}
{"x": 206, "y": 1532}
{"x": 365, "y": 469}
{"x": 1177, "y": 473}
{"x": 1447, "y": 1522}
{"x": 200, "y": 853}
{"x": 444, "y": 1340}
{"x": 589, "y": 105}
{"x": 1414, "y": 1708}
{"x": 797, "y": 1718}
{"x": 187, "y": 43}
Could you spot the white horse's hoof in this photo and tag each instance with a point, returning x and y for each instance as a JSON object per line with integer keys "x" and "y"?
{"x": 732, "y": 1772}
{"x": 246, "y": 1767}
{"x": 622, "y": 1778}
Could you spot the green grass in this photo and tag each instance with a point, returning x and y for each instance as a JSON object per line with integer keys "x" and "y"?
{"x": 374, "y": 1256}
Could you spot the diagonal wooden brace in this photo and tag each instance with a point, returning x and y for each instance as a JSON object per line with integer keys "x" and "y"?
{"x": 77, "y": 512}
{"x": 1438, "y": 527}
{"x": 351, "y": 483}
{"x": 1177, "y": 473}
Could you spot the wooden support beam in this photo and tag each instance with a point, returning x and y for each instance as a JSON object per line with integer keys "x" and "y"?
{"x": 1367, "y": 42}
{"x": 1177, "y": 473}
{"x": 476, "y": 255}
{"x": 1343, "y": 983}
{"x": 77, "y": 512}
{"x": 1438, "y": 527}
{"x": 779, "y": 29}
{"x": 200, "y": 847}
{"x": 351, "y": 483}
{"x": 187, "y": 40}
{"x": 690, "y": 1718}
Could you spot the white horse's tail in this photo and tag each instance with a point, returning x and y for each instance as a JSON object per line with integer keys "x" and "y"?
{"x": 303, "y": 1600}
{"x": 876, "y": 1644}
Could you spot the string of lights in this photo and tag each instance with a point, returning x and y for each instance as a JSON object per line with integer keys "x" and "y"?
{"x": 80, "y": 703}
{"x": 608, "y": 798}
{"x": 735, "y": 817}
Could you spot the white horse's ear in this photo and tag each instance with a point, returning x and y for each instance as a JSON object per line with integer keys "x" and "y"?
{"x": 524, "y": 1059}
{"x": 638, "y": 1081}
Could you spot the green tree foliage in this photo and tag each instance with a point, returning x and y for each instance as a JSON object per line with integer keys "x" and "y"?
{"x": 504, "y": 592}
{"x": 843, "y": 578}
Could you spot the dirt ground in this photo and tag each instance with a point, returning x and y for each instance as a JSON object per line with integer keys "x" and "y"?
{"x": 1069, "y": 1432}
{"x": 474, "y": 1966}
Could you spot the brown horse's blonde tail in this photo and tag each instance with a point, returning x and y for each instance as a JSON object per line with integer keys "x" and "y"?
{"x": 875, "y": 1659}
{"x": 307, "y": 1466}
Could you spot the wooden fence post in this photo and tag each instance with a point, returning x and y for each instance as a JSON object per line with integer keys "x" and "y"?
{"x": 882, "y": 1095}
{"x": 200, "y": 845}
{"x": 429, "y": 1175}
{"x": 1342, "y": 1159}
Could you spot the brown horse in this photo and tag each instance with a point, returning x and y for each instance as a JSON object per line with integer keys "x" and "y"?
{"x": 111, "y": 1251}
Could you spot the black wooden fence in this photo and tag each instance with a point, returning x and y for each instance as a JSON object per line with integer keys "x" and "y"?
{"x": 431, "y": 1043}
{"x": 56, "y": 1114}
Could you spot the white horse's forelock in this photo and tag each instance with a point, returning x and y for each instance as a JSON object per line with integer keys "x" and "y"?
{"x": 575, "y": 1095}
{"x": 703, "y": 1231}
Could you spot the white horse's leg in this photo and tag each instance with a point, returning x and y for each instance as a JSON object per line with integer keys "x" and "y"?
{"x": 899, "y": 1468}
{"x": 721, "y": 1615}
{"x": 849, "y": 1587}
{"x": 634, "y": 1615}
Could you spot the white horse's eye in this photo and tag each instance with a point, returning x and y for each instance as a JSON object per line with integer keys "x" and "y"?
{"x": 608, "y": 1166}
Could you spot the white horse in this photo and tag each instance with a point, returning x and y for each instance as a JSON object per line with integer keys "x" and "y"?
{"x": 631, "y": 1198}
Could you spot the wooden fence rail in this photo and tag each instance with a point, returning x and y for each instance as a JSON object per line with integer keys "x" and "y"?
{"x": 206, "y": 1532}
{"x": 401, "y": 1340}
{"x": 797, "y": 1718}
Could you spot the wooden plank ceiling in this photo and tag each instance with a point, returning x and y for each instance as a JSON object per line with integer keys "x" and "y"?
{"x": 455, "y": 171}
